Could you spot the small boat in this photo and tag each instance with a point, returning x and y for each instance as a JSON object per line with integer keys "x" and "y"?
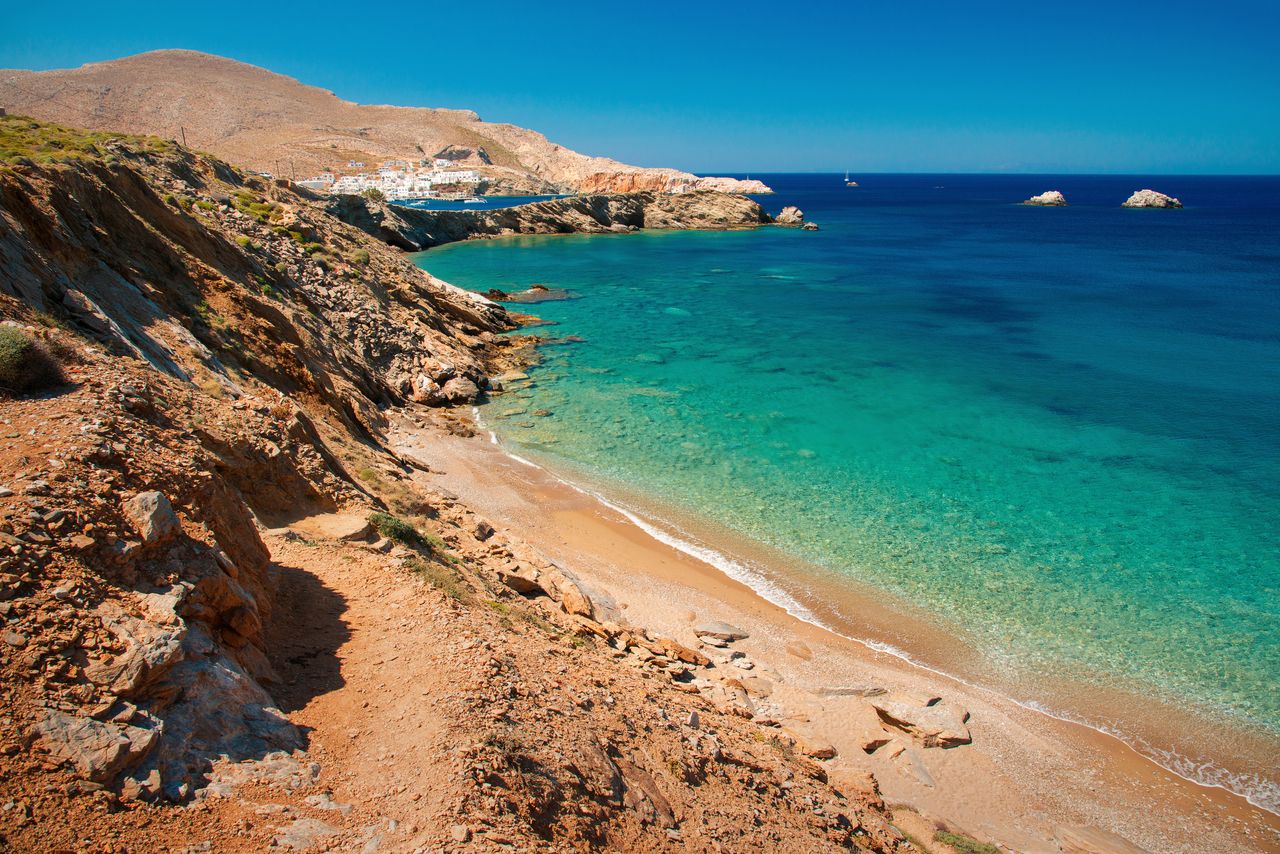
{"x": 847, "y": 182}
{"x": 473, "y": 200}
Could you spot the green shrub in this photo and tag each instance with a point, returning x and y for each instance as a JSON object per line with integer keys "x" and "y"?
{"x": 243, "y": 242}
{"x": 395, "y": 528}
{"x": 964, "y": 843}
{"x": 359, "y": 257}
{"x": 25, "y": 363}
{"x": 373, "y": 194}
{"x": 205, "y": 205}
{"x": 185, "y": 203}
{"x": 312, "y": 248}
{"x": 441, "y": 578}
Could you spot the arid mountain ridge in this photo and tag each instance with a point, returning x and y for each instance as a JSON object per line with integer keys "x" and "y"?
{"x": 265, "y": 121}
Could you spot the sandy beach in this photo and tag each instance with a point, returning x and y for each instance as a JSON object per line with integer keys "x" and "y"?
{"x": 1025, "y": 779}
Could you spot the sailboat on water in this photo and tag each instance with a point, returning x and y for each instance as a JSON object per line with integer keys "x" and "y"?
{"x": 847, "y": 182}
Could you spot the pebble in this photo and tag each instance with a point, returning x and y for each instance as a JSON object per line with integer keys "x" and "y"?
{"x": 14, "y": 639}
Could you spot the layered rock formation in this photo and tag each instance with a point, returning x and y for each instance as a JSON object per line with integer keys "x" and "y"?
{"x": 1150, "y": 199}
{"x": 413, "y": 229}
{"x": 1052, "y": 198}
{"x": 268, "y": 122}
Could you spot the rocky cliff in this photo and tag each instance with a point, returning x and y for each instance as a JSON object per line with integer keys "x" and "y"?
{"x": 268, "y": 122}
{"x": 414, "y": 229}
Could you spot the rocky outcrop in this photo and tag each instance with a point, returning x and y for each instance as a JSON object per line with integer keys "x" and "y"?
{"x": 209, "y": 274}
{"x": 416, "y": 229}
{"x": 649, "y": 180}
{"x": 1050, "y": 199}
{"x": 790, "y": 215}
{"x": 1150, "y": 199}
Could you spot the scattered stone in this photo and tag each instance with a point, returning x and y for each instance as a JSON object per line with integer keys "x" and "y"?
{"x": 460, "y": 833}
{"x": 15, "y": 639}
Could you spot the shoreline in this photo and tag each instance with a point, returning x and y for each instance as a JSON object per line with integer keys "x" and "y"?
{"x": 675, "y": 535}
{"x": 587, "y": 532}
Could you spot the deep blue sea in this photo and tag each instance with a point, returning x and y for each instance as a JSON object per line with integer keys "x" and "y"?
{"x": 1057, "y": 429}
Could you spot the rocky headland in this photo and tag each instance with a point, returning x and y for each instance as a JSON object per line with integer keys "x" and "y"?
{"x": 1150, "y": 199}
{"x": 414, "y": 229}
{"x": 268, "y": 122}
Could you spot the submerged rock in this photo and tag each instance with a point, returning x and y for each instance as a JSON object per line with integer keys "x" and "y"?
{"x": 1151, "y": 199}
{"x": 1052, "y": 198}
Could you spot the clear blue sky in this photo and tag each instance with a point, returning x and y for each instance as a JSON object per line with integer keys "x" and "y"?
{"x": 1144, "y": 86}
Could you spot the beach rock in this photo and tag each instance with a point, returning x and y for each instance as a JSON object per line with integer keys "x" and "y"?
{"x": 1053, "y": 198}
{"x": 809, "y": 226}
{"x": 800, "y": 650}
{"x": 721, "y": 631}
{"x": 1093, "y": 840}
{"x": 934, "y": 723}
{"x": 152, "y": 516}
{"x": 790, "y": 215}
{"x": 1151, "y": 199}
{"x": 459, "y": 390}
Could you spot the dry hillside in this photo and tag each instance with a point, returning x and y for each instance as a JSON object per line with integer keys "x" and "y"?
{"x": 209, "y": 637}
{"x": 265, "y": 121}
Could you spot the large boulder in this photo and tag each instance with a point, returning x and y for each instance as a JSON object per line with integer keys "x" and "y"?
{"x": 931, "y": 721}
{"x": 790, "y": 215}
{"x": 1151, "y": 199}
{"x": 1050, "y": 199}
{"x": 152, "y": 516}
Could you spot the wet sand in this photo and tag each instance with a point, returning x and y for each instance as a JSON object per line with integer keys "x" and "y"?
{"x": 1025, "y": 775}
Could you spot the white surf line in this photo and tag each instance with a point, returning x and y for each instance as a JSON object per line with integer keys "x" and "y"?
{"x": 1268, "y": 801}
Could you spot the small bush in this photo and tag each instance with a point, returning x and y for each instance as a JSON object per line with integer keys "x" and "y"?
{"x": 25, "y": 363}
{"x": 205, "y": 205}
{"x": 395, "y": 528}
{"x": 441, "y": 578}
{"x": 359, "y": 257}
{"x": 964, "y": 843}
{"x": 243, "y": 242}
{"x": 185, "y": 203}
{"x": 373, "y": 194}
{"x": 312, "y": 248}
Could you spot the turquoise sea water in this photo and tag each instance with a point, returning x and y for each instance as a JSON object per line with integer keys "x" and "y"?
{"x": 1059, "y": 429}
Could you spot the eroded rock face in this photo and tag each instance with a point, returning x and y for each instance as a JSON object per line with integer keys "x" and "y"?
{"x": 1052, "y": 198}
{"x": 1151, "y": 199}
